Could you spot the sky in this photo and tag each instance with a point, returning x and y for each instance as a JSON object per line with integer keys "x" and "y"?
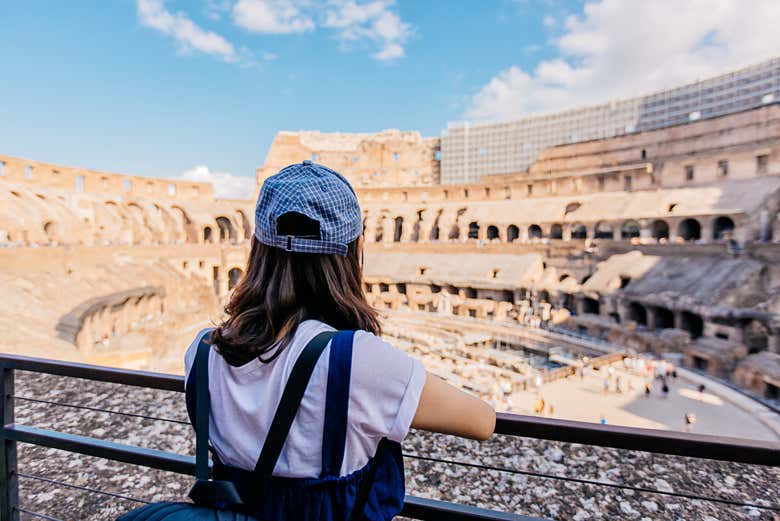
{"x": 197, "y": 89}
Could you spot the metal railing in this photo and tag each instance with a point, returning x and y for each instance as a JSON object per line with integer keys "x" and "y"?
{"x": 754, "y": 452}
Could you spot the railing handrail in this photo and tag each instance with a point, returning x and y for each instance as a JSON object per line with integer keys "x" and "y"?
{"x": 676, "y": 443}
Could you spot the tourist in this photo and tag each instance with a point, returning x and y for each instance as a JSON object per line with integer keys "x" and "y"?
{"x": 606, "y": 385}
{"x": 648, "y": 389}
{"x": 664, "y": 389}
{"x": 702, "y": 388}
{"x": 302, "y": 284}
{"x": 690, "y": 419}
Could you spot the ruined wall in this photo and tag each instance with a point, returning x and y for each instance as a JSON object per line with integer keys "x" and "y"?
{"x": 51, "y": 204}
{"x": 39, "y": 175}
{"x": 387, "y": 158}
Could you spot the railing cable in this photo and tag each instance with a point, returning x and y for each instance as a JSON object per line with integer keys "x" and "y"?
{"x": 96, "y": 409}
{"x": 592, "y": 482}
{"x": 82, "y": 488}
{"x": 38, "y": 514}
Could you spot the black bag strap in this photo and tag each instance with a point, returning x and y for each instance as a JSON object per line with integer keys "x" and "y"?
{"x": 288, "y": 405}
{"x": 202, "y": 408}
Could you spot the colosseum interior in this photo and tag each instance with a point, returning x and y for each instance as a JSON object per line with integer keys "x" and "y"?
{"x": 663, "y": 242}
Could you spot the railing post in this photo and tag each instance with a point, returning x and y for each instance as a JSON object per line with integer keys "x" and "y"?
{"x": 9, "y": 481}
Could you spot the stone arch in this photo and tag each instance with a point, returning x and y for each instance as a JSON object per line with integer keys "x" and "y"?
{"x": 512, "y": 233}
{"x": 454, "y": 232}
{"x": 208, "y": 235}
{"x": 188, "y": 228}
{"x": 140, "y": 226}
{"x": 398, "y": 228}
{"x": 227, "y": 232}
{"x": 556, "y": 231}
{"x": 492, "y": 232}
{"x": 638, "y": 313}
{"x": 689, "y": 230}
{"x": 660, "y": 229}
{"x": 664, "y": 318}
{"x": 379, "y": 233}
{"x": 52, "y": 230}
{"x": 435, "y": 231}
{"x": 473, "y": 230}
{"x": 534, "y": 231}
{"x": 692, "y": 323}
{"x": 630, "y": 230}
{"x": 579, "y": 231}
{"x": 722, "y": 228}
{"x": 591, "y": 305}
{"x": 603, "y": 230}
{"x": 234, "y": 276}
{"x": 417, "y": 226}
{"x": 245, "y": 225}
{"x": 756, "y": 336}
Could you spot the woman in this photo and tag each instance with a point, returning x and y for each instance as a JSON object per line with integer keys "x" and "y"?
{"x": 341, "y": 456}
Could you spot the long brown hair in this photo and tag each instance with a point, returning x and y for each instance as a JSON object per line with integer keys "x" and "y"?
{"x": 280, "y": 289}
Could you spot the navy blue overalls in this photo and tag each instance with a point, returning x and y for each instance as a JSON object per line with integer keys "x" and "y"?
{"x": 374, "y": 492}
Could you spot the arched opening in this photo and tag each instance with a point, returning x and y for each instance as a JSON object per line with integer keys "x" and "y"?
{"x": 534, "y": 231}
{"x": 473, "y": 230}
{"x": 637, "y": 313}
{"x": 544, "y": 296}
{"x": 215, "y": 279}
{"x": 416, "y": 227}
{"x": 556, "y": 231}
{"x": 591, "y": 305}
{"x": 51, "y": 229}
{"x": 722, "y": 228}
{"x": 512, "y": 233}
{"x": 579, "y": 231}
{"x": 398, "y": 229}
{"x": 756, "y": 336}
{"x": 244, "y": 224}
{"x": 234, "y": 275}
{"x": 568, "y": 303}
{"x": 189, "y": 230}
{"x": 226, "y": 229}
{"x": 435, "y": 232}
{"x": 379, "y": 234}
{"x": 629, "y": 230}
{"x": 207, "y": 235}
{"x": 492, "y": 232}
{"x": 692, "y": 323}
{"x": 603, "y": 230}
{"x": 660, "y": 229}
{"x": 689, "y": 230}
{"x": 664, "y": 318}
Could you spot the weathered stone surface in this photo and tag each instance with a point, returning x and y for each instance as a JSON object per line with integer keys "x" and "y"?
{"x": 489, "y": 488}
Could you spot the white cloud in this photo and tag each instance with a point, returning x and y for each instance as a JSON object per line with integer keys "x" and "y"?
{"x": 272, "y": 16}
{"x": 621, "y": 49}
{"x": 353, "y": 21}
{"x": 226, "y": 185}
{"x": 188, "y": 35}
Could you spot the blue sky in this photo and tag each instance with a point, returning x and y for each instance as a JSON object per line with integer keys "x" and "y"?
{"x": 158, "y": 88}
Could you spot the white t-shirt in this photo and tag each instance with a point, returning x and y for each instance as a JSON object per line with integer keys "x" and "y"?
{"x": 385, "y": 389}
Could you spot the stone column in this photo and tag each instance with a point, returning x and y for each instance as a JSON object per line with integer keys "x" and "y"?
{"x": 645, "y": 231}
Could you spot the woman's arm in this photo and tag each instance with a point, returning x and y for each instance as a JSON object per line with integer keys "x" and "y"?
{"x": 446, "y": 409}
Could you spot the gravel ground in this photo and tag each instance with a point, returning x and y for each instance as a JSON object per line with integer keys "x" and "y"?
{"x": 508, "y": 491}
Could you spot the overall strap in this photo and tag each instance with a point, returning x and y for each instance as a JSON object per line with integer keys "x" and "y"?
{"x": 334, "y": 434}
{"x": 197, "y": 391}
{"x": 288, "y": 406}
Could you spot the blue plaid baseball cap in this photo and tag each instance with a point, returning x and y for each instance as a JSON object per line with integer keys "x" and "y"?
{"x": 318, "y": 193}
